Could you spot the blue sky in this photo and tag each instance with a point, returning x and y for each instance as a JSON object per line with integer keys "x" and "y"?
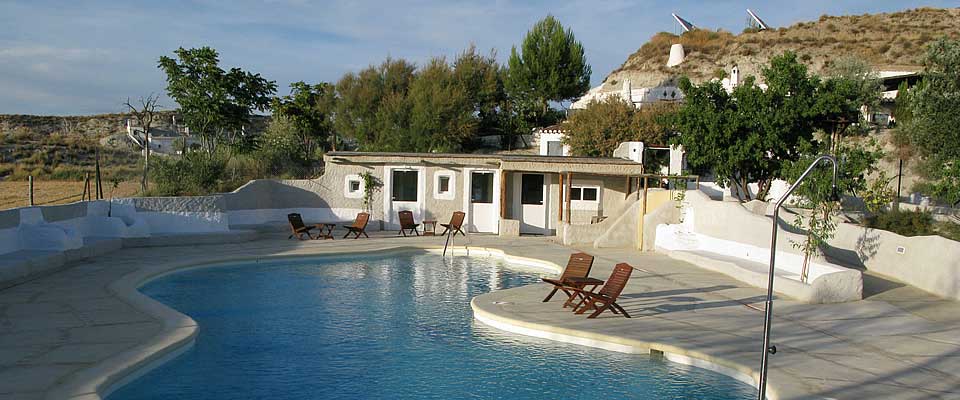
{"x": 88, "y": 56}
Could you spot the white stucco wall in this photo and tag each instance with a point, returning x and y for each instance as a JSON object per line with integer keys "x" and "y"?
{"x": 726, "y": 237}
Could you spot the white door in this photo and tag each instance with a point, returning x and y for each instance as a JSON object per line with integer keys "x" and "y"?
{"x": 533, "y": 203}
{"x": 406, "y": 194}
{"x": 483, "y": 214}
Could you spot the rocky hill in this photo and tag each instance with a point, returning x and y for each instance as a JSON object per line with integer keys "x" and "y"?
{"x": 891, "y": 41}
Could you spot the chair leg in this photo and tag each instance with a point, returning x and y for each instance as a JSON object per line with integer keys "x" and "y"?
{"x": 348, "y": 234}
{"x": 552, "y": 292}
{"x": 416, "y": 231}
{"x": 599, "y": 311}
{"x": 622, "y": 311}
{"x": 364, "y": 234}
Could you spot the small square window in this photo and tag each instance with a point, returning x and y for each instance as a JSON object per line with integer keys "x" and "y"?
{"x": 589, "y": 194}
{"x": 354, "y": 186}
{"x": 444, "y": 184}
{"x": 575, "y": 193}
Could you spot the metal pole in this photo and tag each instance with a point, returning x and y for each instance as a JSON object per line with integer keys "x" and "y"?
{"x": 899, "y": 184}
{"x": 30, "y": 178}
{"x": 768, "y": 313}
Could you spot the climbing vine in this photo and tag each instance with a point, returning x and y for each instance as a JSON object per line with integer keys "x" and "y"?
{"x": 371, "y": 185}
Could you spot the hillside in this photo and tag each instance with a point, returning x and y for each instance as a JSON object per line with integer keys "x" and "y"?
{"x": 891, "y": 41}
{"x": 64, "y": 148}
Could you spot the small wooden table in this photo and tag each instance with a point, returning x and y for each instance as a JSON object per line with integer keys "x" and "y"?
{"x": 326, "y": 230}
{"x": 580, "y": 283}
{"x": 432, "y": 231}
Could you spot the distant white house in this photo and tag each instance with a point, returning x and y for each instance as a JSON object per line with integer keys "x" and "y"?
{"x": 162, "y": 141}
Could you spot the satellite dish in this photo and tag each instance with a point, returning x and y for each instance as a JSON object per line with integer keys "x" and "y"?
{"x": 686, "y": 25}
{"x": 762, "y": 25}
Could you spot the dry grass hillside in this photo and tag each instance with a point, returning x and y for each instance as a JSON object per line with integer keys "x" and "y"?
{"x": 892, "y": 41}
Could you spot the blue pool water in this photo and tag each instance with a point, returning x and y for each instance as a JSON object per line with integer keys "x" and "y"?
{"x": 385, "y": 327}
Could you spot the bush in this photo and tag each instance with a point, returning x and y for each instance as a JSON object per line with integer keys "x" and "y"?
{"x": 906, "y": 223}
{"x": 195, "y": 173}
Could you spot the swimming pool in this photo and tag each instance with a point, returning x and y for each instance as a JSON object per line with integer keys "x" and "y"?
{"x": 395, "y": 326}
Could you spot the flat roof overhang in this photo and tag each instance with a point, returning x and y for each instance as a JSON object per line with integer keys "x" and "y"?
{"x": 506, "y": 162}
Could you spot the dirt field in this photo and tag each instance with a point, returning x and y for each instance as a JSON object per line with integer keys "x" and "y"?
{"x": 14, "y": 193}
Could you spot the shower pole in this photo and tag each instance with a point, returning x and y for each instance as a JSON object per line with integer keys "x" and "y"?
{"x": 768, "y": 309}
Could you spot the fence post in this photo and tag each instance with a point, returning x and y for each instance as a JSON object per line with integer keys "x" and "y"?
{"x": 30, "y": 178}
{"x": 86, "y": 187}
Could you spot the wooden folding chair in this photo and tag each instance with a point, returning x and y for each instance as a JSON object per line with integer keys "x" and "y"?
{"x": 606, "y": 297}
{"x": 455, "y": 225}
{"x": 359, "y": 226}
{"x": 297, "y": 227}
{"x": 407, "y": 224}
{"x": 578, "y": 266}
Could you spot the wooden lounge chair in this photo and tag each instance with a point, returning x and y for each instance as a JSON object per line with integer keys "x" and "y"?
{"x": 359, "y": 226}
{"x": 407, "y": 224}
{"x": 455, "y": 225}
{"x": 578, "y": 266}
{"x": 606, "y": 297}
{"x": 297, "y": 227}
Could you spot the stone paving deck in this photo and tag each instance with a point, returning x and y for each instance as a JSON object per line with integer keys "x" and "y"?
{"x": 61, "y": 334}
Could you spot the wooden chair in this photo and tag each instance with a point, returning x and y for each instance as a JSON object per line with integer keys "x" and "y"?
{"x": 407, "y": 224}
{"x": 359, "y": 226}
{"x": 455, "y": 225}
{"x": 606, "y": 297}
{"x": 579, "y": 266}
{"x": 297, "y": 227}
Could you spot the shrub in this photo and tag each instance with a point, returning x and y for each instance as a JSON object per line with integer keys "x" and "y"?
{"x": 949, "y": 230}
{"x": 906, "y": 223}
{"x": 195, "y": 173}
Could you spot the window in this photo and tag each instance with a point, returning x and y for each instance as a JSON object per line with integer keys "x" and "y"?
{"x": 405, "y": 184}
{"x": 481, "y": 187}
{"x": 353, "y": 187}
{"x": 585, "y": 197}
{"x": 443, "y": 185}
{"x": 554, "y": 148}
{"x": 531, "y": 189}
{"x": 590, "y": 194}
{"x": 585, "y": 193}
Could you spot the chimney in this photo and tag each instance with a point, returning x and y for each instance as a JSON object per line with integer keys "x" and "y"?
{"x": 676, "y": 55}
{"x": 735, "y": 76}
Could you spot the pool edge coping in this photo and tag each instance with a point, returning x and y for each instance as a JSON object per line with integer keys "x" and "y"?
{"x": 178, "y": 332}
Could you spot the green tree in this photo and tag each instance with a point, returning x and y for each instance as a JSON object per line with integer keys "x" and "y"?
{"x": 598, "y": 129}
{"x": 550, "y": 66}
{"x": 214, "y": 103}
{"x": 443, "y": 111}
{"x": 748, "y": 135}
{"x": 934, "y": 115}
{"x": 481, "y": 79}
{"x": 361, "y": 97}
{"x": 310, "y": 109}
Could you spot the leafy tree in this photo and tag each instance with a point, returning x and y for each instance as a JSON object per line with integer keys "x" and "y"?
{"x": 361, "y": 97}
{"x": 481, "y": 80}
{"x": 748, "y": 135}
{"x": 214, "y": 103}
{"x": 550, "y": 66}
{"x": 934, "y": 115}
{"x": 443, "y": 113}
{"x": 598, "y": 129}
{"x": 309, "y": 108}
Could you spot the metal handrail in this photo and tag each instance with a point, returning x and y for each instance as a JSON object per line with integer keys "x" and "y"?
{"x": 768, "y": 313}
